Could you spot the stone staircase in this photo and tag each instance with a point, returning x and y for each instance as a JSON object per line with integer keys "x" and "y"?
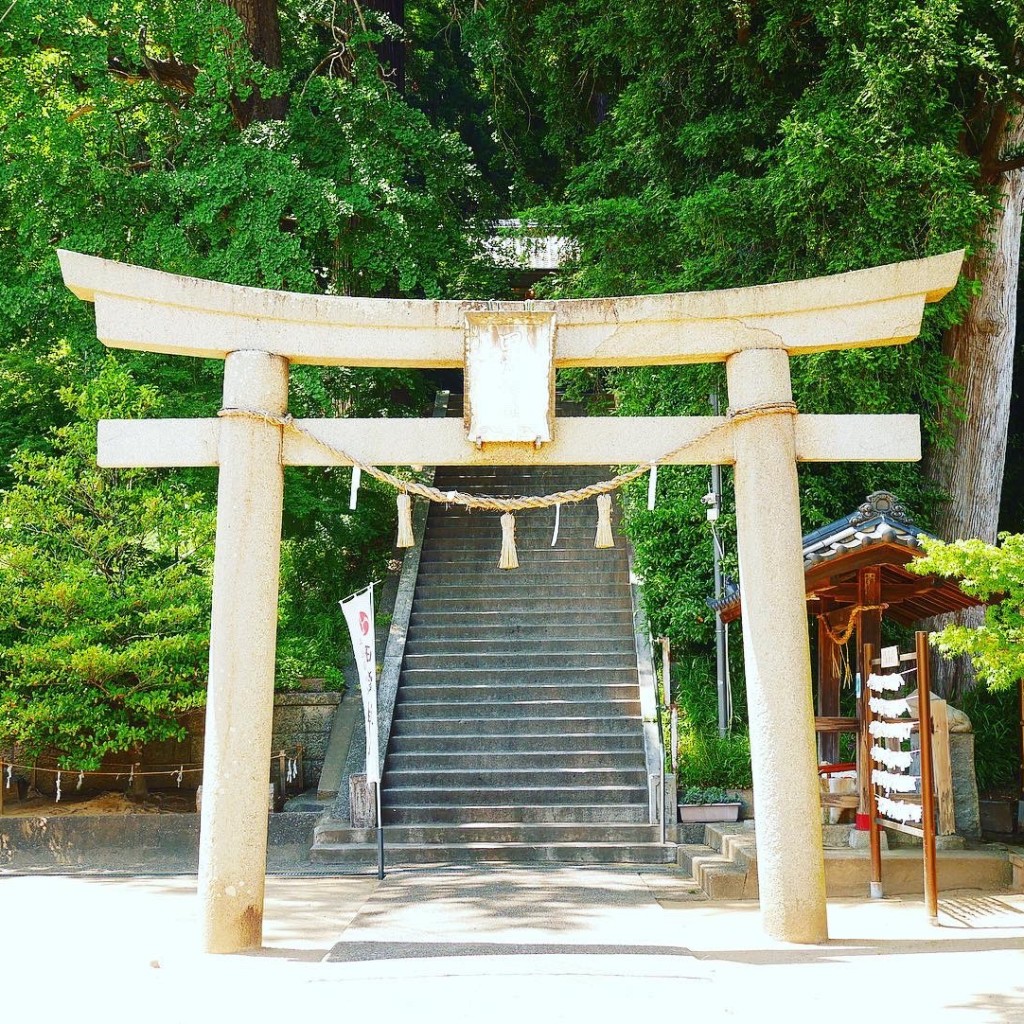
{"x": 724, "y": 866}
{"x": 517, "y": 733}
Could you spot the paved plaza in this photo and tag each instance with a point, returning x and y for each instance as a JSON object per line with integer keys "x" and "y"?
{"x": 517, "y": 944}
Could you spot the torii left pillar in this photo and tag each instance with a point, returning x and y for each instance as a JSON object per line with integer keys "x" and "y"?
{"x": 243, "y": 641}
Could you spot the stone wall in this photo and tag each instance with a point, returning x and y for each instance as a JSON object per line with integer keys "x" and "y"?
{"x": 305, "y": 719}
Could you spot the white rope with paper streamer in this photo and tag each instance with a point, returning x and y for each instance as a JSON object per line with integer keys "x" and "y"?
{"x": 889, "y": 708}
{"x": 891, "y": 730}
{"x": 892, "y": 759}
{"x": 898, "y": 810}
{"x": 493, "y": 503}
{"x": 892, "y": 681}
{"x": 893, "y": 782}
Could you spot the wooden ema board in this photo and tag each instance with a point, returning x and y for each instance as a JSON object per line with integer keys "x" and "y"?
{"x": 905, "y": 801}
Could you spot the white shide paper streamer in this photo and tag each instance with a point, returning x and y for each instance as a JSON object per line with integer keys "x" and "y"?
{"x": 898, "y": 810}
{"x": 892, "y": 681}
{"x": 889, "y": 708}
{"x": 892, "y": 782}
{"x": 891, "y": 730}
{"x": 892, "y": 759}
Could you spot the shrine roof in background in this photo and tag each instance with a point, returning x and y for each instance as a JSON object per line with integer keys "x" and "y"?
{"x": 878, "y": 533}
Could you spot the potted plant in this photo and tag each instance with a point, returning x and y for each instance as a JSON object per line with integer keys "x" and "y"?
{"x": 708, "y": 803}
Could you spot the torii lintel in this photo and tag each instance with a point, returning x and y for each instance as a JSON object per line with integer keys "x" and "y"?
{"x": 153, "y": 311}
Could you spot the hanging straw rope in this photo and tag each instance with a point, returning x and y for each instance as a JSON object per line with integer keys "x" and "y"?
{"x": 840, "y": 639}
{"x": 496, "y": 504}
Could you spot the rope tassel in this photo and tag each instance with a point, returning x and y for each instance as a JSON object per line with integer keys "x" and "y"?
{"x": 509, "y": 558}
{"x": 405, "y": 535}
{"x": 604, "y": 538}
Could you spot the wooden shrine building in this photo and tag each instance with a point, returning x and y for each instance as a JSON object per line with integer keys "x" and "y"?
{"x": 855, "y": 570}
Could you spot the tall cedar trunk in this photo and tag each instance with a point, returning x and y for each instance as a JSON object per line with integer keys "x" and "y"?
{"x": 981, "y": 347}
{"x": 263, "y": 32}
{"x": 391, "y": 52}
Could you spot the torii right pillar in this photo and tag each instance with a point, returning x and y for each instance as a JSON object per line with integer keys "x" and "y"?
{"x": 776, "y": 651}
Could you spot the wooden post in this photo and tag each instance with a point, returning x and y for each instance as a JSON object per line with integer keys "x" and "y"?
{"x": 3, "y": 784}
{"x": 869, "y": 631}
{"x": 924, "y": 691}
{"x": 828, "y": 686}
{"x": 943, "y": 768}
{"x": 874, "y": 832}
{"x": 300, "y": 767}
{"x": 282, "y": 774}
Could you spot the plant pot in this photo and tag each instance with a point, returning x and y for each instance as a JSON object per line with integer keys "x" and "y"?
{"x": 710, "y": 812}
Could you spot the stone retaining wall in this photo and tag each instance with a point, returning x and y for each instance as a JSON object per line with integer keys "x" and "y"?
{"x": 157, "y": 843}
{"x": 305, "y": 719}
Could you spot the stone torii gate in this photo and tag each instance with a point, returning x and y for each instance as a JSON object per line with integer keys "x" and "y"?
{"x": 753, "y": 331}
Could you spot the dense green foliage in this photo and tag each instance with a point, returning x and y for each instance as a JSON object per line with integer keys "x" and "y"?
{"x": 992, "y": 573}
{"x": 121, "y": 135}
{"x": 679, "y": 146}
{"x": 706, "y": 145}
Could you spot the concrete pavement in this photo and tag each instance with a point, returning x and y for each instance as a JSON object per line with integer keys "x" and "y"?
{"x": 502, "y": 944}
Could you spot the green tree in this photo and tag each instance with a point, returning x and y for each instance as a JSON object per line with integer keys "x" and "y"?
{"x": 706, "y": 145}
{"x": 104, "y": 594}
{"x": 253, "y": 142}
{"x": 993, "y": 573}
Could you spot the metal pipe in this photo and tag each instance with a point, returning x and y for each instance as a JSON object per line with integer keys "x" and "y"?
{"x": 721, "y": 656}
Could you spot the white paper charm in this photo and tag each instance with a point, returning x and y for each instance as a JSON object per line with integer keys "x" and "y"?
{"x": 889, "y": 708}
{"x": 892, "y": 759}
{"x": 898, "y": 810}
{"x": 892, "y": 782}
{"x": 891, "y": 730}
{"x": 891, "y": 681}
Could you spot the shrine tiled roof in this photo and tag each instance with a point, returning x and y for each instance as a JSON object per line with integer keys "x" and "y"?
{"x": 881, "y": 519}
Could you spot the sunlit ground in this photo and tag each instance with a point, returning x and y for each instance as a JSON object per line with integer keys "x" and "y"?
{"x": 523, "y": 945}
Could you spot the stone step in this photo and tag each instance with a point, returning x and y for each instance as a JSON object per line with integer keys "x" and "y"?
{"x": 365, "y": 855}
{"x": 534, "y": 532}
{"x": 460, "y": 617}
{"x": 526, "y": 728}
{"x": 524, "y": 709}
{"x": 534, "y": 761}
{"x": 715, "y": 874}
{"x": 511, "y": 779}
{"x": 423, "y": 639}
{"x": 554, "y": 560}
{"x": 565, "y": 673}
{"x": 504, "y": 796}
{"x": 730, "y": 851}
{"x": 486, "y": 572}
{"x": 549, "y": 606}
{"x": 597, "y": 744}
{"x": 472, "y": 694}
{"x": 520, "y": 663}
{"x": 332, "y": 832}
{"x": 553, "y": 813}
{"x": 512, "y": 591}
{"x": 500, "y": 644}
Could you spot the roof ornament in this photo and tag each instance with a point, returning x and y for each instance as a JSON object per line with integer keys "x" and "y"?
{"x": 880, "y": 503}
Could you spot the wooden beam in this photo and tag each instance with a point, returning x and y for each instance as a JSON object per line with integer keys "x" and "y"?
{"x": 891, "y": 592}
{"x": 852, "y": 561}
{"x": 152, "y": 311}
{"x": 578, "y": 441}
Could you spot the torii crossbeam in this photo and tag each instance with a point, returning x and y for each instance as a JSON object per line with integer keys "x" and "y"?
{"x": 753, "y": 331}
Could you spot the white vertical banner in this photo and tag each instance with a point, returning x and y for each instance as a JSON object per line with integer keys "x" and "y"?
{"x": 358, "y": 611}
